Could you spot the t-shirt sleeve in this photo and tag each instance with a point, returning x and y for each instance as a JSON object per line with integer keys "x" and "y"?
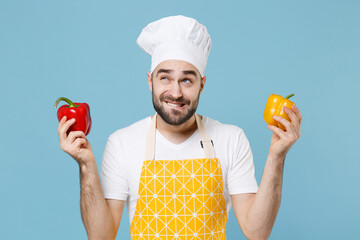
{"x": 114, "y": 180}
{"x": 241, "y": 174}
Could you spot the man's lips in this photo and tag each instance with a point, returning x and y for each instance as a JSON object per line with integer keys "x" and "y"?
{"x": 175, "y": 104}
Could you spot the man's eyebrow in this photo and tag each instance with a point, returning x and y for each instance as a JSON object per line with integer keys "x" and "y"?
{"x": 163, "y": 71}
{"x": 192, "y": 72}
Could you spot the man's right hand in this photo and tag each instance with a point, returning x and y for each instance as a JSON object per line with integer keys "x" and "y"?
{"x": 75, "y": 144}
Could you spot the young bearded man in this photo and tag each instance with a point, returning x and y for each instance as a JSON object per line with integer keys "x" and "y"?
{"x": 179, "y": 172}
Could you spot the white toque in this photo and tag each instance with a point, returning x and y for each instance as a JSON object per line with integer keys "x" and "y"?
{"x": 176, "y": 38}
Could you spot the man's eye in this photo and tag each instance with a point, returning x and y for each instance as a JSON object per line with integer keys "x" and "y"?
{"x": 164, "y": 78}
{"x": 187, "y": 81}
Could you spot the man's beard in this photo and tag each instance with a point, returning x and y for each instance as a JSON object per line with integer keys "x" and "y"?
{"x": 174, "y": 117}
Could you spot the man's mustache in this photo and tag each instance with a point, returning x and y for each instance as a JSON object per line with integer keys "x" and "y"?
{"x": 181, "y": 100}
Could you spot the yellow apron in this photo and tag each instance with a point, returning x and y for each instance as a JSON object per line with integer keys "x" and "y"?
{"x": 180, "y": 199}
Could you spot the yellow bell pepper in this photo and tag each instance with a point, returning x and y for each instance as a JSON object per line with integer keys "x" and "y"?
{"x": 274, "y": 106}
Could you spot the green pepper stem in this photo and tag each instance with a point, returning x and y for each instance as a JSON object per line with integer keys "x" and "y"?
{"x": 71, "y": 104}
{"x": 289, "y": 96}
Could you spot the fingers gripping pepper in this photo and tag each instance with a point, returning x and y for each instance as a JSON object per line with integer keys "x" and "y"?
{"x": 274, "y": 106}
{"x": 79, "y": 111}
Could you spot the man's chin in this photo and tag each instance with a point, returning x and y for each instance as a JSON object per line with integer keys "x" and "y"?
{"x": 174, "y": 118}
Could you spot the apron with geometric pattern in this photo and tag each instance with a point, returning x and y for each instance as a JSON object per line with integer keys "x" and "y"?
{"x": 180, "y": 199}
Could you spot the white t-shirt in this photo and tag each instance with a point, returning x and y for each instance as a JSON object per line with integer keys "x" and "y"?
{"x": 125, "y": 152}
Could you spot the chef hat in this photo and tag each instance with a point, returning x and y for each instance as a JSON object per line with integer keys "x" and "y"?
{"x": 176, "y": 38}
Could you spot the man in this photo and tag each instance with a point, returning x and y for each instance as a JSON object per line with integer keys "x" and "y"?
{"x": 179, "y": 172}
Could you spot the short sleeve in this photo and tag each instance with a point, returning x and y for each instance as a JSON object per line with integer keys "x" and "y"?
{"x": 114, "y": 180}
{"x": 241, "y": 174}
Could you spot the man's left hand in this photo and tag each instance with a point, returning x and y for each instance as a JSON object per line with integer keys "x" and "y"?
{"x": 281, "y": 141}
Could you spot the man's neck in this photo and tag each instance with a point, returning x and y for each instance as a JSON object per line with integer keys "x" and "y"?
{"x": 176, "y": 134}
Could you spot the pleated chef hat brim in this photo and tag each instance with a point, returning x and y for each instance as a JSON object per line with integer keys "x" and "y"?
{"x": 176, "y": 38}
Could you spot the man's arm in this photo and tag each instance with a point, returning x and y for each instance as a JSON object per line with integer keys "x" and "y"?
{"x": 101, "y": 217}
{"x": 256, "y": 213}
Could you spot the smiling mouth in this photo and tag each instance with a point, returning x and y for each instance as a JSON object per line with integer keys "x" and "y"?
{"x": 172, "y": 104}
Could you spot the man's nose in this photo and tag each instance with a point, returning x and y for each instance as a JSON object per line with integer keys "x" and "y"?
{"x": 175, "y": 90}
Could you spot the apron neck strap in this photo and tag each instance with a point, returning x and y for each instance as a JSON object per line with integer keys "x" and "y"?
{"x": 205, "y": 142}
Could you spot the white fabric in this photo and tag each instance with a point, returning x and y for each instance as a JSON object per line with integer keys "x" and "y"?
{"x": 204, "y": 137}
{"x": 176, "y": 38}
{"x": 124, "y": 155}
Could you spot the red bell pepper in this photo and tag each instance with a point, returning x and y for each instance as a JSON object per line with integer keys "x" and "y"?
{"x": 79, "y": 111}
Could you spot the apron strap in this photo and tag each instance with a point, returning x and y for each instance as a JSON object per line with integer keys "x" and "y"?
{"x": 150, "y": 140}
{"x": 206, "y": 141}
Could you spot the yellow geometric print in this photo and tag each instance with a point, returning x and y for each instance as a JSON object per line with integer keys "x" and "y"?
{"x": 180, "y": 199}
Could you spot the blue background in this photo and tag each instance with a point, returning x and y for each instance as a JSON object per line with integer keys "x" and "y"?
{"x": 86, "y": 51}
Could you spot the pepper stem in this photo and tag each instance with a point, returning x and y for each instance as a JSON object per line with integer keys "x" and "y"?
{"x": 289, "y": 96}
{"x": 71, "y": 104}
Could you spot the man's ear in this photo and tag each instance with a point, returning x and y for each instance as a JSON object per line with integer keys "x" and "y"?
{"x": 203, "y": 81}
{"x": 149, "y": 81}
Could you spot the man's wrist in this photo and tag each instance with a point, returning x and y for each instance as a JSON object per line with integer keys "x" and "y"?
{"x": 87, "y": 166}
{"x": 277, "y": 157}
{"x": 87, "y": 162}
{"x": 276, "y": 162}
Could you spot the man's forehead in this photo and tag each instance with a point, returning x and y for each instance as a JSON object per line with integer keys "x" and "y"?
{"x": 173, "y": 66}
